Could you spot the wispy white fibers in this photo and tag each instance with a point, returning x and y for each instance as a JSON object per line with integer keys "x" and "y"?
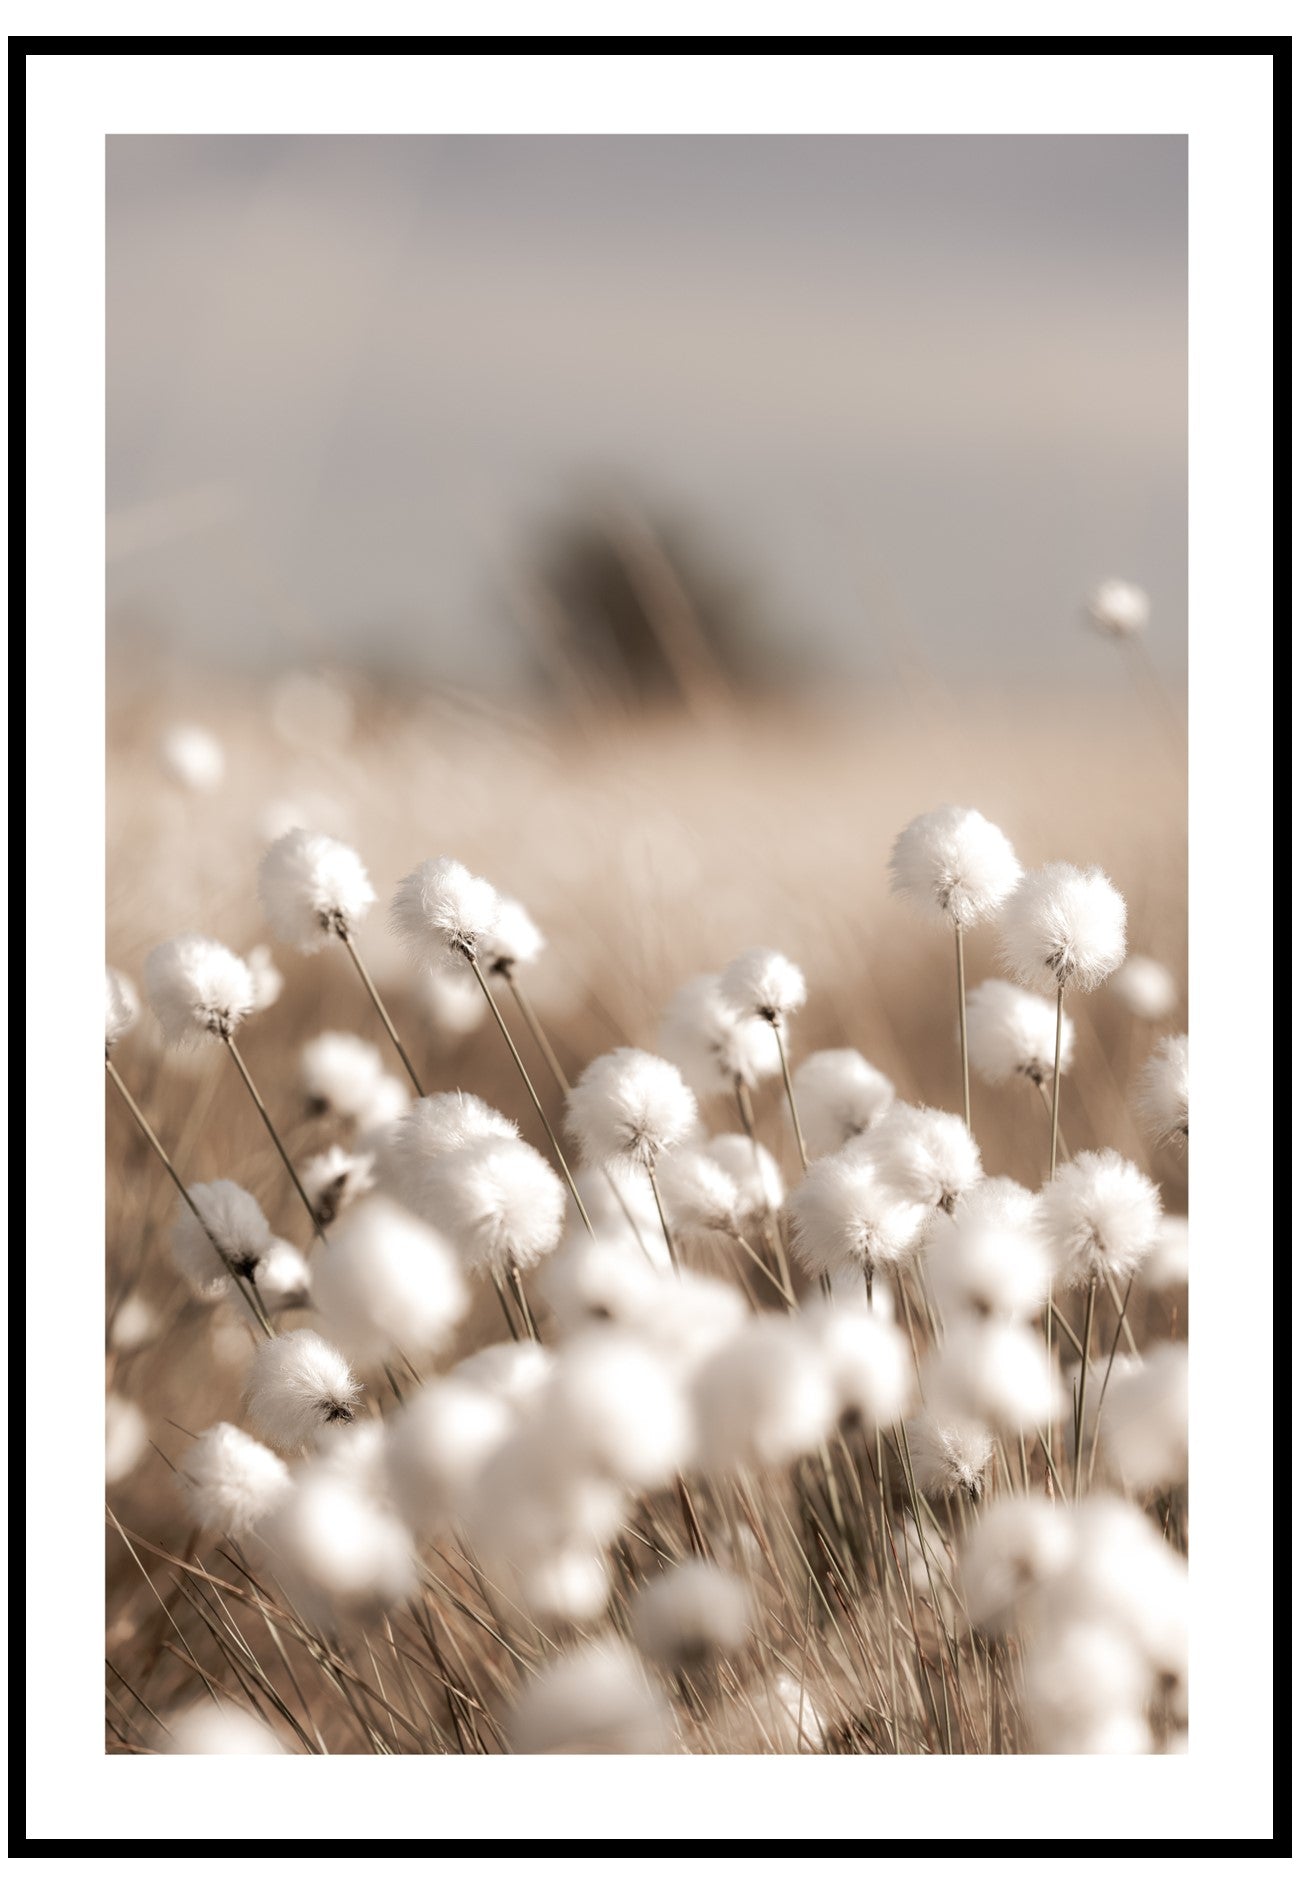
{"x": 759, "y": 1184}
{"x": 1161, "y": 1091}
{"x": 282, "y": 1277}
{"x": 1012, "y": 1033}
{"x": 699, "y": 1197}
{"x": 298, "y": 1384}
{"x": 988, "y": 1260}
{"x": 611, "y": 1408}
{"x": 1143, "y": 1420}
{"x": 764, "y": 1398}
{"x": 126, "y": 1437}
{"x": 868, "y": 1362}
{"x": 948, "y": 1453}
{"x": 763, "y": 983}
{"x": 233, "y": 1221}
{"x": 629, "y": 1108}
{"x": 426, "y": 1132}
{"x": 1119, "y": 609}
{"x": 268, "y": 979}
{"x": 608, "y": 1278}
{"x": 336, "y": 1549}
{"x": 1084, "y": 1691}
{"x": 335, "y": 1179}
{"x": 839, "y": 1095}
{"x": 437, "y": 1443}
{"x": 442, "y": 914}
{"x": 1145, "y": 987}
{"x": 713, "y": 1044}
{"x": 1124, "y": 1573}
{"x": 1101, "y": 1218}
{"x": 597, "y": 1699}
{"x": 213, "y": 1731}
{"x": 386, "y": 1282}
{"x": 192, "y": 757}
{"x": 512, "y": 939}
{"x": 197, "y": 988}
{"x": 515, "y": 1373}
{"x": 312, "y": 889}
{"x": 954, "y": 865}
{"x": 121, "y": 1006}
{"x": 925, "y": 1155}
{"x": 498, "y": 1202}
{"x": 1063, "y": 928}
{"x": 691, "y": 1614}
{"x": 847, "y": 1223}
{"x": 996, "y": 1373}
{"x": 230, "y": 1481}
{"x": 1166, "y": 1264}
{"x": 1015, "y": 1546}
{"x": 689, "y": 1319}
{"x": 345, "y": 1075}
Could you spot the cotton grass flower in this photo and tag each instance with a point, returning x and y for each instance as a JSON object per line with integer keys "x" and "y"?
{"x": 1143, "y": 1421}
{"x": 755, "y": 1172}
{"x": 499, "y": 1203}
{"x": 699, "y": 1197}
{"x": 1101, "y": 1218}
{"x": 608, "y": 1278}
{"x": 690, "y": 1319}
{"x": 927, "y": 1156}
{"x": 1063, "y": 929}
{"x": 628, "y": 1108}
{"x": 1119, "y": 609}
{"x": 612, "y": 1409}
{"x": 1162, "y": 1089}
{"x": 983, "y": 1266}
{"x": 312, "y": 889}
{"x": 512, "y": 940}
{"x": 868, "y": 1362}
{"x": 948, "y": 1452}
{"x": 230, "y": 1481}
{"x": 229, "y": 1221}
{"x": 839, "y": 1095}
{"x": 335, "y": 1180}
{"x": 596, "y": 1699}
{"x": 197, "y": 988}
{"x": 571, "y": 1584}
{"x": 763, "y": 983}
{"x": 1014, "y": 1549}
{"x": 135, "y": 1324}
{"x": 442, "y": 914}
{"x": 515, "y": 1373}
{"x": 1084, "y": 1691}
{"x": 192, "y": 757}
{"x": 764, "y": 1398}
{"x": 690, "y": 1615}
{"x": 387, "y": 1283}
{"x": 344, "y": 1075}
{"x": 215, "y": 1730}
{"x": 1012, "y": 1033}
{"x": 1145, "y": 987}
{"x": 716, "y": 1048}
{"x": 121, "y": 1006}
{"x": 847, "y": 1223}
{"x": 437, "y": 1443}
{"x": 268, "y": 979}
{"x": 954, "y": 866}
{"x": 297, "y": 1384}
{"x": 1167, "y": 1263}
{"x": 336, "y": 1550}
{"x": 282, "y": 1278}
{"x": 994, "y": 1372}
{"x": 427, "y": 1132}
{"x": 126, "y": 1437}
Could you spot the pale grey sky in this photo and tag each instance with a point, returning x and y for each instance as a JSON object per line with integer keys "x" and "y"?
{"x": 910, "y": 390}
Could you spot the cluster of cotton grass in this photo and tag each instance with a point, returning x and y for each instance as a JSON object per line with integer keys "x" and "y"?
{"x": 852, "y": 1451}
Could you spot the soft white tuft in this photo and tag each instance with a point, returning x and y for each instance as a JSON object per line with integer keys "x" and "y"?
{"x": 512, "y": 940}
{"x": 498, "y": 1202}
{"x": 996, "y": 1373}
{"x": 762, "y": 983}
{"x": 221, "y": 1731}
{"x": 386, "y": 1282}
{"x": 1119, "y": 609}
{"x": 759, "y": 1184}
{"x": 192, "y": 757}
{"x": 613, "y": 1409}
{"x": 1063, "y": 928}
{"x": 1143, "y": 1420}
{"x": 1014, "y": 1548}
{"x": 126, "y": 1437}
{"x": 691, "y": 1614}
{"x": 597, "y": 1699}
{"x": 233, "y": 1220}
{"x": 1101, "y": 1217}
{"x": 230, "y": 1481}
{"x": 345, "y": 1075}
{"x": 337, "y": 1548}
{"x": 605, "y": 1278}
{"x": 982, "y": 1263}
{"x": 869, "y": 1364}
{"x": 765, "y": 1397}
{"x": 948, "y": 1453}
{"x": 928, "y": 1156}
{"x": 629, "y": 1107}
{"x": 847, "y": 1223}
{"x": 714, "y": 1045}
{"x": 1145, "y": 987}
{"x": 515, "y": 1373}
{"x": 298, "y": 1384}
{"x": 335, "y": 1179}
{"x": 436, "y": 1445}
{"x": 1161, "y": 1091}
{"x": 121, "y": 1006}
{"x": 954, "y": 865}
{"x": 268, "y": 979}
{"x": 838, "y": 1095}
{"x": 442, "y": 914}
{"x": 1167, "y": 1263}
{"x": 428, "y": 1131}
{"x": 312, "y": 889}
{"x": 699, "y": 1197}
{"x": 1011, "y": 1032}
{"x": 197, "y": 988}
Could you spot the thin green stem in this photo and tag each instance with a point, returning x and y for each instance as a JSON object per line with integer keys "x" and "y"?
{"x": 378, "y": 1003}
{"x": 280, "y": 1149}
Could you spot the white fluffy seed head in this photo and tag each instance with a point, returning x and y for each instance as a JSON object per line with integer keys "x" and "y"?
{"x": 838, "y": 1095}
{"x": 689, "y": 1319}
{"x": 759, "y": 1184}
{"x": 948, "y": 1452}
{"x": 121, "y": 1006}
{"x": 268, "y": 979}
{"x": 954, "y": 865}
{"x": 512, "y": 940}
{"x": 1100, "y": 1217}
{"x": 1084, "y": 1691}
{"x": 628, "y": 1108}
{"x": 1145, "y": 987}
{"x": 386, "y": 1282}
{"x": 126, "y": 1437}
{"x": 498, "y": 1202}
{"x": 996, "y": 1373}
{"x": 197, "y": 988}
{"x": 763, "y": 983}
{"x": 298, "y": 1384}
{"x": 135, "y": 1323}
{"x": 312, "y": 889}
{"x": 691, "y": 1614}
{"x": 1011, "y": 1032}
{"x": 281, "y": 1276}
{"x": 1162, "y": 1091}
{"x": 1014, "y": 1548}
{"x": 1064, "y": 928}
{"x": 847, "y": 1223}
{"x": 335, "y": 1179}
{"x": 336, "y": 1549}
{"x": 443, "y": 914}
{"x": 1143, "y": 1421}
{"x": 212, "y": 1731}
{"x": 192, "y": 757}
{"x": 342, "y": 1074}
{"x": 699, "y": 1197}
{"x": 612, "y": 1409}
{"x": 927, "y": 1156}
{"x": 234, "y": 1222}
{"x": 714, "y": 1045}
{"x": 436, "y": 1445}
{"x": 1119, "y": 609}
{"x": 597, "y": 1699}
{"x": 514, "y": 1373}
{"x": 1125, "y": 1574}
{"x": 765, "y": 1397}
{"x": 424, "y": 1134}
{"x": 609, "y": 1278}
{"x": 570, "y": 1584}
{"x": 230, "y": 1481}
{"x": 1167, "y": 1263}
{"x": 868, "y": 1361}
{"x": 983, "y": 1265}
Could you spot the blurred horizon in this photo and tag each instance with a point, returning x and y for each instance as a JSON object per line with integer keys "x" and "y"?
{"x": 861, "y": 408}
